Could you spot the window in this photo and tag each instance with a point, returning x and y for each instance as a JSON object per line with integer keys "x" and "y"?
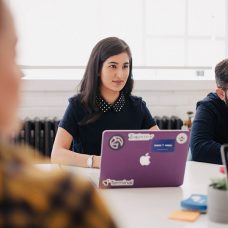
{"x": 180, "y": 34}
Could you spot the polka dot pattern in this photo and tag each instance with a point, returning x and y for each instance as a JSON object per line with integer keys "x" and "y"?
{"x": 105, "y": 106}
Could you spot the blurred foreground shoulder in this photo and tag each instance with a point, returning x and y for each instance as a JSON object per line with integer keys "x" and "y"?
{"x": 31, "y": 197}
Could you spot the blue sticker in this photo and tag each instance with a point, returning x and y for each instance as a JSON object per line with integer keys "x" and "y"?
{"x": 163, "y": 145}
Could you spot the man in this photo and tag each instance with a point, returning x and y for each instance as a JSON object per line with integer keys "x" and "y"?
{"x": 210, "y": 126}
{"x": 30, "y": 197}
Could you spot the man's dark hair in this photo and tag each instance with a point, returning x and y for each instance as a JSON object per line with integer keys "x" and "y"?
{"x": 221, "y": 73}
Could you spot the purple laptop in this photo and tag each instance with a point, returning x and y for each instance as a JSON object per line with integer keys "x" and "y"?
{"x": 143, "y": 158}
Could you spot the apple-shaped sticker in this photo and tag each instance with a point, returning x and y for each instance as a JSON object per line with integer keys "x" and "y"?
{"x": 145, "y": 159}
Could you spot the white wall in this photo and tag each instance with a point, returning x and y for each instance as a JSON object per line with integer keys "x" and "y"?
{"x": 159, "y": 32}
{"x": 48, "y": 98}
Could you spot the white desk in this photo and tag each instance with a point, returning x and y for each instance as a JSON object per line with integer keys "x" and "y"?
{"x": 150, "y": 207}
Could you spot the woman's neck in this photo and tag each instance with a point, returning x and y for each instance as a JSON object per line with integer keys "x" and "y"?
{"x": 109, "y": 96}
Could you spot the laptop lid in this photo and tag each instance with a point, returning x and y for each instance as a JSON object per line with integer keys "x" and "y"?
{"x": 143, "y": 158}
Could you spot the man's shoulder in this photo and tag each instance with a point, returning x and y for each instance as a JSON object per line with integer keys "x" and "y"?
{"x": 211, "y": 101}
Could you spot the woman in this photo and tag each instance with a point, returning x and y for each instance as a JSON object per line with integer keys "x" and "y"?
{"x": 104, "y": 102}
{"x": 30, "y": 197}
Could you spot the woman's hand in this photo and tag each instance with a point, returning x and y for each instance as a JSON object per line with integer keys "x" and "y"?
{"x": 97, "y": 162}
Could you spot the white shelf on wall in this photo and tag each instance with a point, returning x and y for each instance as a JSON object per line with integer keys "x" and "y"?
{"x": 139, "y": 72}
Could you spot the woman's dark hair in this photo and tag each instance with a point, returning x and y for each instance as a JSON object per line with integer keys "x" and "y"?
{"x": 90, "y": 82}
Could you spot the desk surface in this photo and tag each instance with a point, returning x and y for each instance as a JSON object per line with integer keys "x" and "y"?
{"x": 150, "y": 207}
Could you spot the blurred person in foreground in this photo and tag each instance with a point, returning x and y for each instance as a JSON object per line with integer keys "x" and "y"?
{"x": 30, "y": 197}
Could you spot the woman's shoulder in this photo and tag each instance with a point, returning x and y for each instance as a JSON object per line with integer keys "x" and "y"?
{"x": 76, "y": 99}
{"x": 76, "y": 106}
{"x": 137, "y": 103}
{"x": 76, "y": 102}
{"x": 135, "y": 100}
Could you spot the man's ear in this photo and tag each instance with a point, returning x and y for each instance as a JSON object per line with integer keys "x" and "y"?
{"x": 220, "y": 93}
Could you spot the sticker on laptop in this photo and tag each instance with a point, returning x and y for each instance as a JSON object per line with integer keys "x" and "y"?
{"x": 163, "y": 145}
{"x": 182, "y": 138}
{"x": 116, "y": 183}
{"x": 116, "y": 142}
{"x": 140, "y": 136}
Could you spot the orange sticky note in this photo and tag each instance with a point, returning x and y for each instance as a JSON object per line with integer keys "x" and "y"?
{"x": 185, "y": 215}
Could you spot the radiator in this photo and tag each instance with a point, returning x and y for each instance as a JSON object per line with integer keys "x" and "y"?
{"x": 40, "y": 133}
{"x": 170, "y": 123}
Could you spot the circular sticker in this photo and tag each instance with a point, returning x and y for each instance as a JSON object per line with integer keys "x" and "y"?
{"x": 116, "y": 142}
{"x": 182, "y": 138}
